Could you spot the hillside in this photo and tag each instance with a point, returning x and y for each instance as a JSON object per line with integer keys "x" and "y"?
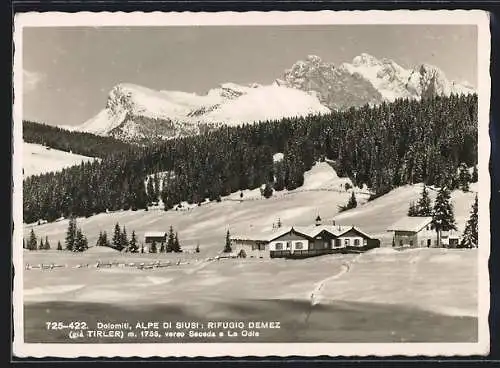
{"x": 38, "y": 159}
{"x": 208, "y": 223}
{"x": 382, "y": 148}
{"x": 85, "y": 144}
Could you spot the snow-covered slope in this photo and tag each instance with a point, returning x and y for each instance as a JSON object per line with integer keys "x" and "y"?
{"x": 310, "y": 86}
{"x": 134, "y": 111}
{"x": 38, "y": 159}
{"x": 368, "y": 80}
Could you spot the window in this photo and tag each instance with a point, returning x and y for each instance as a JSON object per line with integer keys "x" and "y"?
{"x": 347, "y": 242}
{"x": 338, "y": 242}
{"x": 365, "y": 242}
{"x": 325, "y": 245}
{"x": 299, "y": 245}
{"x": 288, "y": 245}
{"x": 278, "y": 246}
{"x": 356, "y": 242}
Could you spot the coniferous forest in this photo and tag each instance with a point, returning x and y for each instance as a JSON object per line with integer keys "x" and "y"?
{"x": 85, "y": 144}
{"x": 383, "y": 147}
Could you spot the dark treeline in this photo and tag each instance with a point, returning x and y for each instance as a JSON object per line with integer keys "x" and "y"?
{"x": 77, "y": 142}
{"x": 383, "y": 147}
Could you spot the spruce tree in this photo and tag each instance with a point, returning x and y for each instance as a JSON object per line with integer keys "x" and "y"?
{"x": 443, "y": 217}
{"x": 267, "y": 191}
{"x": 424, "y": 207}
{"x": 133, "y": 243}
{"x": 32, "y": 241}
{"x": 47, "y": 244}
{"x": 469, "y": 237}
{"x": 170, "y": 240}
{"x": 123, "y": 239}
{"x": 412, "y": 210}
{"x": 162, "y": 247}
{"x": 142, "y": 248}
{"x": 81, "y": 243}
{"x": 71, "y": 234}
{"x": 353, "y": 203}
{"x": 105, "y": 241}
{"x": 117, "y": 237}
{"x": 41, "y": 246}
{"x": 177, "y": 246}
{"x": 464, "y": 178}
{"x": 99, "y": 240}
{"x": 197, "y": 249}
{"x": 59, "y": 245}
{"x": 474, "y": 175}
{"x": 227, "y": 246}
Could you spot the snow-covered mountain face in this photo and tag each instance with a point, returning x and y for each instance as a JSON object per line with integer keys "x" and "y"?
{"x": 309, "y": 87}
{"x": 368, "y": 80}
{"x": 134, "y": 112}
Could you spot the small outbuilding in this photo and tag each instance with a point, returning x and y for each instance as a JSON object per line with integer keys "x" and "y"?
{"x": 157, "y": 237}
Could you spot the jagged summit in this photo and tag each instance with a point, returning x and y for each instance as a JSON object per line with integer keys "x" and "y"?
{"x": 309, "y": 86}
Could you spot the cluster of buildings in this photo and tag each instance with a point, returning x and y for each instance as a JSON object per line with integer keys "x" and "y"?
{"x": 319, "y": 239}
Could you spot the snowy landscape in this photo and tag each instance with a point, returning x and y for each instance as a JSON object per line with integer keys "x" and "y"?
{"x": 177, "y": 222}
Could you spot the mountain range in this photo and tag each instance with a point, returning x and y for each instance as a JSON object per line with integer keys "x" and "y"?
{"x": 310, "y": 86}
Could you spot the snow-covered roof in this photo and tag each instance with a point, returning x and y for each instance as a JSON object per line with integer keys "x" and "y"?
{"x": 410, "y": 224}
{"x": 309, "y": 231}
{"x": 155, "y": 234}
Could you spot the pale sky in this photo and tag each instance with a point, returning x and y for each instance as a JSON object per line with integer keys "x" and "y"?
{"x": 68, "y": 72}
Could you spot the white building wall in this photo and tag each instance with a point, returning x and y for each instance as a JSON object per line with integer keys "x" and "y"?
{"x": 293, "y": 245}
{"x": 350, "y": 241}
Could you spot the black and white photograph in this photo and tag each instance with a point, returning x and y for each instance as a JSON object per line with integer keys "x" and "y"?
{"x": 234, "y": 184}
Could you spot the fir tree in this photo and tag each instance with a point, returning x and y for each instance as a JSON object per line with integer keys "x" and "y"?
{"x": 32, "y": 241}
{"x": 170, "y": 240}
{"x": 133, "y": 243}
{"x": 123, "y": 239}
{"x": 59, "y": 245}
{"x": 352, "y": 203}
{"x": 474, "y": 175}
{"x": 117, "y": 237}
{"x": 197, "y": 249}
{"x": 267, "y": 192}
{"x": 153, "y": 248}
{"x": 443, "y": 217}
{"x": 162, "y": 248}
{"x": 142, "y": 248}
{"x": 424, "y": 207}
{"x": 279, "y": 224}
{"x": 464, "y": 177}
{"x": 99, "y": 240}
{"x": 469, "y": 238}
{"x": 177, "y": 246}
{"x": 41, "y": 246}
{"x": 105, "y": 241}
{"x": 227, "y": 246}
{"x": 81, "y": 243}
{"x": 47, "y": 244}
{"x": 71, "y": 234}
{"x": 412, "y": 210}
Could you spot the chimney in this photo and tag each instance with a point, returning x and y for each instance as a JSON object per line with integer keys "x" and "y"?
{"x": 333, "y": 222}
